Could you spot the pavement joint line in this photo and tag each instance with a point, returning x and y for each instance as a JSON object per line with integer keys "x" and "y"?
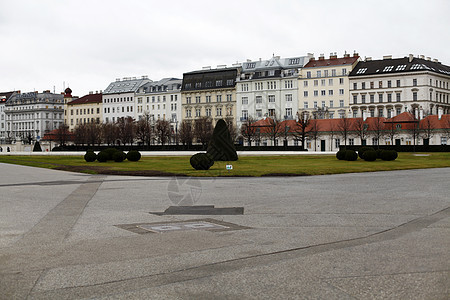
{"x": 387, "y": 274}
{"x": 58, "y": 222}
{"x": 196, "y": 272}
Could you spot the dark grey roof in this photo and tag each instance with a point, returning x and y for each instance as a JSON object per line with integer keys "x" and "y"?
{"x": 398, "y": 65}
{"x": 210, "y": 79}
{"x": 34, "y": 97}
{"x": 275, "y": 63}
{"x": 127, "y": 85}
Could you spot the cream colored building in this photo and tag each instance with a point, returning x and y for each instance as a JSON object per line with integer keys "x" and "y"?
{"x": 84, "y": 110}
{"x": 324, "y": 86}
{"x": 210, "y": 93}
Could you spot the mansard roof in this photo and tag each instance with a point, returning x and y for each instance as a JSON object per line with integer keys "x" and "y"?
{"x": 126, "y": 85}
{"x": 88, "y": 99}
{"x": 275, "y": 63}
{"x": 210, "y": 79}
{"x": 4, "y": 96}
{"x": 398, "y": 65}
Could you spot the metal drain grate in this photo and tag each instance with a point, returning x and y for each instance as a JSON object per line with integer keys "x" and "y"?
{"x": 190, "y": 225}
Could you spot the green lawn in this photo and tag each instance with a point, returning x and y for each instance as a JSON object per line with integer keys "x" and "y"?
{"x": 245, "y": 166}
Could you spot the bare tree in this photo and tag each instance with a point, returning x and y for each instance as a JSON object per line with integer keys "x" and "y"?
{"x": 80, "y": 134}
{"x": 274, "y": 128}
{"x": 314, "y": 131}
{"x": 62, "y": 134}
{"x": 344, "y": 128}
{"x": 248, "y": 130}
{"x": 377, "y": 131}
{"x": 392, "y": 131}
{"x": 109, "y": 133}
{"x": 186, "y": 133}
{"x": 426, "y": 129}
{"x": 232, "y": 129}
{"x": 163, "y": 131}
{"x": 93, "y": 133}
{"x": 361, "y": 129}
{"x": 302, "y": 124}
{"x": 126, "y": 130}
{"x": 332, "y": 134}
{"x": 144, "y": 130}
{"x": 203, "y": 130}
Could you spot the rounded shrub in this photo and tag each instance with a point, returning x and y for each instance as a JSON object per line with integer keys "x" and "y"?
{"x": 340, "y": 154}
{"x": 389, "y": 155}
{"x": 351, "y": 155}
{"x": 119, "y": 156}
{"x": 110, "y": 153}
{"x": 363, "y": 149}
{"x": 370, "y": 155}
{"x": 133, "y": 155}
{"x": 90, "y": 156}
{"x": 379, "y": 152}
{"x": 102, "y": 156}
{"x": 201, "y": 161}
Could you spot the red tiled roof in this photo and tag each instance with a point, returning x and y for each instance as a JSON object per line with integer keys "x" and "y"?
{"x": 331, "y": 62}
{"x": 91, "y": 98}
{"x": 55, "y": 136}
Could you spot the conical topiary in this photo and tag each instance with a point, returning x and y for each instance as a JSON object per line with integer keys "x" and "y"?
{"x": 221, "y": 147}
{"x": 37, "y": 147}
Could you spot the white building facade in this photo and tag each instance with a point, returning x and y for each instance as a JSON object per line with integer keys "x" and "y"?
{"x": 119, "y": 98}
{"x": 389, "y": 87}
{"x": 31, "y": 115}
{"x": 268, "y": 88}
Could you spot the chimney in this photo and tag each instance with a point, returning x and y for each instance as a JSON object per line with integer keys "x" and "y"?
{"x": 410, "y": 57}
{"x": 206, "y": 68}
{"x": 249, "y": 60}
{"x": 321, "y": 57}
{"x": 355, "y": 54}
{"x": 387, "y": 57}
{"x": 435, "y": 60}
{"x": 428, "y": 58}
{"x": 333, "y": 55}
{"x": 368, "y": 58}
{"x": 91, "y": 92}
{"x": 422, "y": 56}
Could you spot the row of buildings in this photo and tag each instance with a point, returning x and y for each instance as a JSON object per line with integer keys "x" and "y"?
{"x": 278, "y": 88}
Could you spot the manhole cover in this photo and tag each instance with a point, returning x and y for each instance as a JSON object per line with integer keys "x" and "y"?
{"x": 190, "y": 225}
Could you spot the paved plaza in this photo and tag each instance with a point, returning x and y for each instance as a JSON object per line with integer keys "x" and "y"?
{"x": 382, "y": 235}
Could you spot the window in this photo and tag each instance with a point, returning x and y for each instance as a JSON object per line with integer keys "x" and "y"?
{"x": 380, "y": 112}
{"x": 271, "y": 98}
{"x": 341, "y": 91}
{"x": 371, "y": 84}
{"x": 197, "y": 99}
{"x": 398, "y": 97}
{"x": 388, "y": 68}
{"x": 372, "y": 113}
{"x": 389, "y": 97}
{"x": 271, "y": 112}
{"x": 219, "y": 98}
{"x": 218, "y": 82}
{"x": 355, "y": 99}
{"x": 333, "y": 72}
{"x": 208, "y": 112}
{"x": 414, "y": 96}
{"x": 363, "y": 99}
{"x": 351, "y": 142}
{"x": 308, "y": 74}
{"x": 315, "y": 104}
{"x": 325, "y": 73}
{"x": 331, "y": 103}
{"x": 289, "y": 112}
{"x": 337, "y": 143}
{"x": 398, "y": 111}
{"x": 244, "y": 100}
{"x": 218, "y": 111}
{"x": 319, "y": 73}
{"x": 400, "y": 68}
{"x": 344, "y": 72}
{"x": 244, "y": 115}
{"x": 341, "y": 103}
{"x": 389, "y": 84}
{"x": 355, "y": 85}
{"x": 330, "y": 81}
{"x": 305, "y": 83}
{"x": 372, "y": 98}
{"x": 380, "y": 98}
{"x": 305, "y": 104}
{"x": 414, "y": 82}
{"x": 316, "y": 93}
{"x": 230, "y": 82}
{"x": 331, "y": 115}
{"x": 229, "y": 97}
{"x": 288, "y": 97}
{"x": 208, "y": 99}
{"x": 188, "y": 100}
{"x": 316, "y": 82}
{"x": 398, "y": 83}
{"x": 341, "y": 80}
{"x": 360, "y": 71}
{"x": 363, "y": 85}
{"x": 355, "y": 114}
{"x": 443, "y": 140}
{"x": 330, "y": 92}
{"x": 258, "y": 99}
{"x": 258, "y": 113}
{"x": 323, "y": 92}
{"x": 380, "y": 84}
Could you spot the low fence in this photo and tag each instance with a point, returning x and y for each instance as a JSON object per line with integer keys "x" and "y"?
{"x": 78, "y": 148}
{"x": 403, "y": 148}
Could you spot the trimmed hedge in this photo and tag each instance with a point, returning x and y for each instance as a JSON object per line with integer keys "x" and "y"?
{"x": 133, "y": 155}
{"x": 102, "y": 156}
{"x": 369, "y": 155}
{"x": 351, "y": 155}
{"x": 362, "y": 150}
{"x": 389, "y": 155}
{"x": 90, "y": 156}
{"x": 201, "y": 161}
{"x": 119, "y": 156}
{"x": 340, "y": 155}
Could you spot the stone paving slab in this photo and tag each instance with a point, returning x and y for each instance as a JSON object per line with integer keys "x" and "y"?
{"x": 321, "y": 237}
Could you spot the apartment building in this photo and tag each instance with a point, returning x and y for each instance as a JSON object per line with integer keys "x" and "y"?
{"x": 324, "y": 86}
{"x": 84, "y": 110}
{"x": 269, "y": 88}
{"x": 389, "y": 87}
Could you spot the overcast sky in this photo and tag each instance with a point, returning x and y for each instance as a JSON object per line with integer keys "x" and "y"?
{"x": 86, "y": 44}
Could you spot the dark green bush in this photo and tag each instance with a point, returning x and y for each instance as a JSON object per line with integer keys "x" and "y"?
{"x": 201, "y": 161}
{"x": 133, "y": 155}
{"x": 389, "y": 155}
{"x": 340, "y": 155}
{"x": 119, "y": 156}
{"x": 370, "y": 155}
{"x": 379, "y": 152}
{"x": 350, "y": 155}
{"x": 110, "y": 153}
{"x": 102, "y": 156}
{"x": 363, "y": 149}
{"x": 90, "y": 156}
